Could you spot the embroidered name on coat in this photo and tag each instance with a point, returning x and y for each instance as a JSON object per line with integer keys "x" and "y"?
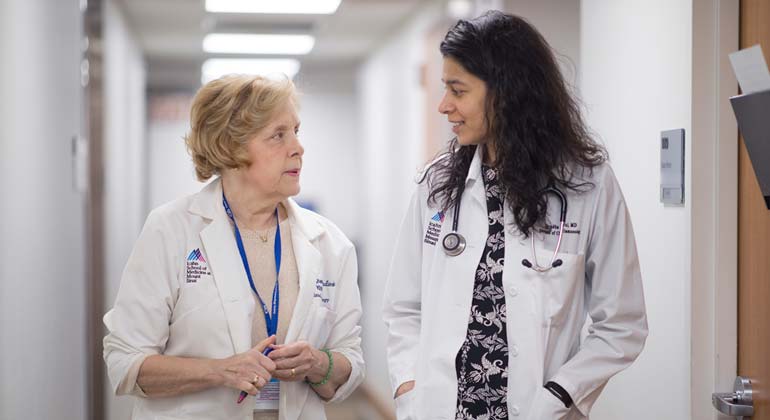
{"x": 323, "y": 289}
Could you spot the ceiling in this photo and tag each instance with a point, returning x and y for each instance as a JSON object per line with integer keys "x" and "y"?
{"x": 171, "y": 32}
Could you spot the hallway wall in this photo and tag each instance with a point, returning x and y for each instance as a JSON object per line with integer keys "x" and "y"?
{"x": 125, "y": 159}
{"x": 42, "y": 217}
{"x": 636, "y": 81}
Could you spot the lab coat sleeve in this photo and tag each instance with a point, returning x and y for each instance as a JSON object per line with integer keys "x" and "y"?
{"x": 616, "y": 306}
{"x": 402, "y": 305}
{"x": 137, "y": 324}
{"x": 345, "y": 337}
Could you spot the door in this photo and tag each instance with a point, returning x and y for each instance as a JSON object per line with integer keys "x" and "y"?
{"x": 754, "y": 242}
{"x": 753, "y": 257}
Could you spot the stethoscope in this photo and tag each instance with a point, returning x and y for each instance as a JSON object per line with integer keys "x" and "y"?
{"x": 454, "y": 243}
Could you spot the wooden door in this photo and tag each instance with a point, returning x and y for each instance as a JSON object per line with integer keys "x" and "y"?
{"x": 754, "y": 242}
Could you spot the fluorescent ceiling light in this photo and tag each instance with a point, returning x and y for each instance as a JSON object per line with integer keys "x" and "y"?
{"x": 258, "y": 44}
{"x": 459, "y": 9}
{"x": 310, "y": 7}
{"x": 214, "y": 68}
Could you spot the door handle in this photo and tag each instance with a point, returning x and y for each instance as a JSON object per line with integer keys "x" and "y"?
{"x": 726, "y": 403}
{"x": 738, "y": 403}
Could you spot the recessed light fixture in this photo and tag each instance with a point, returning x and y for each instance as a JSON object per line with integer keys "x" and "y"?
{"x": 310, "y": 7}
{"x": 258, "y": 44}
{"x": 214, "y": 68}
{"x": 459, "y": 9}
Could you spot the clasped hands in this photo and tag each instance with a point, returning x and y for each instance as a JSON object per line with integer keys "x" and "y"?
{"x": 251, "y": 370}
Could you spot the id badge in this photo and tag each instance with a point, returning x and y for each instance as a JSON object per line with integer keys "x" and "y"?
{"x": 267, "y": 399}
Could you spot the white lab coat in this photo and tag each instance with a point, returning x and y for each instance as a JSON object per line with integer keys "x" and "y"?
{"x": 161, "y": 308}
{"x": 428, "y": 302}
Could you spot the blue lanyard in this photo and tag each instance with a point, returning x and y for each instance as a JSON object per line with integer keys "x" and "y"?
{"x": 270, "y": 321}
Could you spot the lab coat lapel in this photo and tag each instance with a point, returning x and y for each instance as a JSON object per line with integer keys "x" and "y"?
{"x": 304, "y": 231}
{"x": 472, "y": 224}
{"x": 226, "y": 266}
{"x": 474, "y": 183}
{"x": 230, "y": 278}
{"x": 457, "y": 294}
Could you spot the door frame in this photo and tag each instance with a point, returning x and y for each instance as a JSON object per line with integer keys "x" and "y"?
{"x": 93, "y": 103}
{"x": 714, "y": 221}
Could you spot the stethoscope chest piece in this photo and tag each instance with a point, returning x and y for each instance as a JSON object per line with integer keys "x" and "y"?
{"x": 454, "y": 244}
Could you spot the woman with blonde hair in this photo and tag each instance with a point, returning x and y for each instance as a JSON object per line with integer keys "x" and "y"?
{"x": 235, "y": 302}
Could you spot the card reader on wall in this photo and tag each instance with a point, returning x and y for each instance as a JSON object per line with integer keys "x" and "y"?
{"x": 672, "y": 166}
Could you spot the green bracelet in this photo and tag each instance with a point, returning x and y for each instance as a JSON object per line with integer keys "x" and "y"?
{"x": 328, "y": 371}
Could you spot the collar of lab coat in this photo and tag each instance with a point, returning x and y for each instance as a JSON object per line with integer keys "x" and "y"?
{"x": 474, "y": 171}
{"x": 474, "y": 184}
{"x": 227, "y": 268}
{"x": 208, "y": 204}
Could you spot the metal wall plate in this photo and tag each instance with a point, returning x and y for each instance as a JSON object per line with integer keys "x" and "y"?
{"x": 672, "y": 166}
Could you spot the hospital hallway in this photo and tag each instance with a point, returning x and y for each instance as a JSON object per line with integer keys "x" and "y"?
{"x": 95, "y": 101}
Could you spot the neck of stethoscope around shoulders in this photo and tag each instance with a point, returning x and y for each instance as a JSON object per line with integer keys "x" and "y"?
{"x": 555, "y": 262}
{"x": 454, "y": 243}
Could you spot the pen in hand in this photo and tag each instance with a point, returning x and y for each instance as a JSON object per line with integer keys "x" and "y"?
{"x": 245, "y": 394}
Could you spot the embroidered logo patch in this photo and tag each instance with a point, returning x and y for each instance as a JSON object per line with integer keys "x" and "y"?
{"x": 196, "y": 255}
{"x": 434, "y": 228}
{"x": 196, "y": 266}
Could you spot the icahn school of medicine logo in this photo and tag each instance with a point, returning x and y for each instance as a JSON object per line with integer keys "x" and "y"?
{"x": 196, "y": 266}
{"x": 434, "y": 228}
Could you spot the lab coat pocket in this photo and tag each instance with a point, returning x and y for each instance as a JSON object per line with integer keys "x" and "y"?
{"x": 561, "y": 288}
{"x": 195, "y": 296}
{"x": 546, "y": 406}
{"x": 318, "y": 325}
{"x": 405, "y": 406}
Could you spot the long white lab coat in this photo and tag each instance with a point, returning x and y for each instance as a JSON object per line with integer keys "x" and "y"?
{"x": 179, "y": 302}
{"x": 428, "y": 302}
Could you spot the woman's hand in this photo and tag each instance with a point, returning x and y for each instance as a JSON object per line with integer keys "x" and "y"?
{"x": 404, "y": 400}
{"x": 294, "y": 362}
{"x": 545, "y": 406}
{"x": 404, "y": 388}
{"x": 248, "y": 371}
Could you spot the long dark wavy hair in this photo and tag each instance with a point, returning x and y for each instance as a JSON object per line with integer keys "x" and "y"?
{"x": 534, "y": 123}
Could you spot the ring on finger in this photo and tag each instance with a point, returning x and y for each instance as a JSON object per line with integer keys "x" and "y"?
{"x": 293, "y": 372}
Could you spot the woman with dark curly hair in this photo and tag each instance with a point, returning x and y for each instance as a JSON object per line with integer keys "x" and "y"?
{"x": 516, "y": 234}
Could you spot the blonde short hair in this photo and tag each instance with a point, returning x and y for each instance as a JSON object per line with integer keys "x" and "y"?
{"x": 225, "y": 115}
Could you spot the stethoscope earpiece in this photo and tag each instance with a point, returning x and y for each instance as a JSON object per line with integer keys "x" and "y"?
{"x": 557, "y": 263}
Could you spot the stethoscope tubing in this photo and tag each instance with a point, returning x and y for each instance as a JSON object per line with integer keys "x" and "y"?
{"x": 454, "y": 242}
{"x": 562, "y": 220}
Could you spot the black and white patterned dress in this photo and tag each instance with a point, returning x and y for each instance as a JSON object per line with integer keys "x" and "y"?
{"x": 482, "y": 362}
